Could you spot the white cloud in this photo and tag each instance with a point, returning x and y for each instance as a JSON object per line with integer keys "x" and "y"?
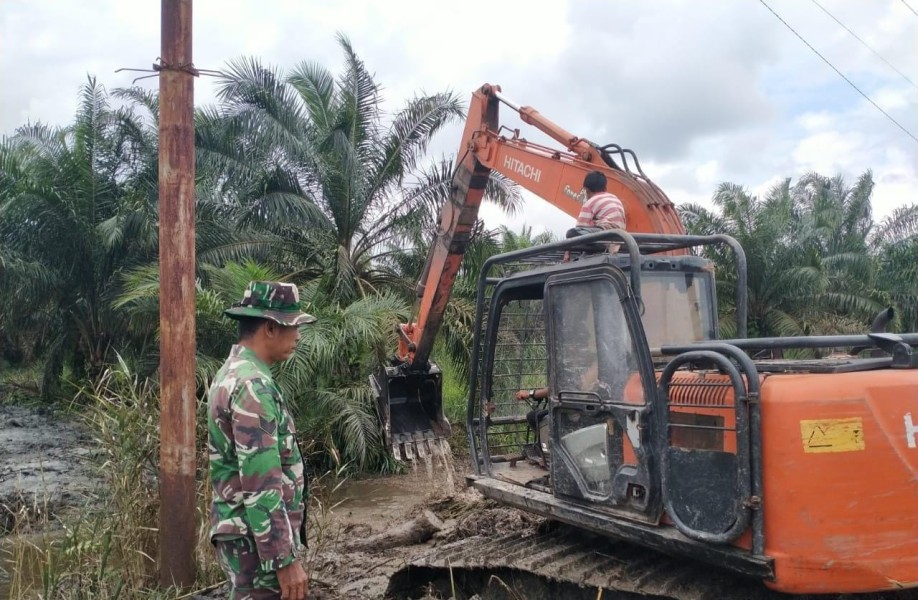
{"x": 707, "y": 174}
{"x": 535, "y": 213}
{"x": 891, "y": 99}
{"x": 816, "y": 121}
{"x": 703, "y": 93}
{"x": 828, "y": 151}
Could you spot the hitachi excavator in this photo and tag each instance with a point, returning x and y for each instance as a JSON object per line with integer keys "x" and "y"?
{"x": 799, "y": 473}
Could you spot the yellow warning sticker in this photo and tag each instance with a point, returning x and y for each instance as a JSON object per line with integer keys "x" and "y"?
{"x": 833, "y": 435}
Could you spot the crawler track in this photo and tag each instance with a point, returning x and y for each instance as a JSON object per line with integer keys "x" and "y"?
{"x": 569, "y": 563}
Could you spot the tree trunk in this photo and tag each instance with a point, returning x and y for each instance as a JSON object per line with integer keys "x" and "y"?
{"x": 417, "y": 531}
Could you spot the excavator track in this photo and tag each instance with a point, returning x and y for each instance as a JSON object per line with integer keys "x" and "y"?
{"x": 558, "y": 561}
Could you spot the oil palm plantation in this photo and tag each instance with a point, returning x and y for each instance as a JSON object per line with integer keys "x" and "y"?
{"x": 314, "y": 161}
{"x": 73, "y": 213}
{"x": 811, "y": 250}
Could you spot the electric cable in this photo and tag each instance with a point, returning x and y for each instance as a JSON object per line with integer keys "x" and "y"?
{"x": 842, "y": 75}
{"x": 903, "y": 75}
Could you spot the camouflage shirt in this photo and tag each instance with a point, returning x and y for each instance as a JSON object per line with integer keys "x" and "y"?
{"x": 255, "y": 464}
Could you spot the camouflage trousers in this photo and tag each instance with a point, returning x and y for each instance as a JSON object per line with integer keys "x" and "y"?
{"x": 239, "y": 560}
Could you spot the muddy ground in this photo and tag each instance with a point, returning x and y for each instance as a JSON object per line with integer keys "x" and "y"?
{"x": 46, "y": 471}
{"x": 373, "y": 506}
{"x": 45, "y": 464}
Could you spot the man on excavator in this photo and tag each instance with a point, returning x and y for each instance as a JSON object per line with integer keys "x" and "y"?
{"x": 601, "y": 210}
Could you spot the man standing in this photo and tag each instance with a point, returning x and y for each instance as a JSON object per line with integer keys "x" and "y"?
{"x": 258, "y": 511}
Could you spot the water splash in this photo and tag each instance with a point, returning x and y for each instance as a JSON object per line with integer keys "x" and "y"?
{"x": 426, "y": 455}
{"x": 446, "y": 457}
{"x": 437, "y": 457}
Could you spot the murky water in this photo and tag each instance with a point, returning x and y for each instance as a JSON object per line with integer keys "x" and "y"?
{"x": 385, "y": 495}
{"x": 391, "y": 497}
{"x": 22, "y": 561}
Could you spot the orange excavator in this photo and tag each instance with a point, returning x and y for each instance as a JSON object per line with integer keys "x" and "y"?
{"x": 801, "y": 473}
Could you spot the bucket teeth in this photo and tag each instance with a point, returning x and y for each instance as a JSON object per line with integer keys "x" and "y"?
{"x": 409, "y": 451}
{"x": 421, "y": 449}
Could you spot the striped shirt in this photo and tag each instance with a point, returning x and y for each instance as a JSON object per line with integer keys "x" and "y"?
{"x": 603, "y": 210}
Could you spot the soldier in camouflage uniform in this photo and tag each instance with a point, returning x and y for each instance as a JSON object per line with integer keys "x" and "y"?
{"x": 258, "y": 511}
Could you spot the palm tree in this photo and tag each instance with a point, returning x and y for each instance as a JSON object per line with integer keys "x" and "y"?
{"x": 763, "y": 228}
{"x": 894, "y": 245}
{"x": 314, "y": 161}
{"x": 72, "y": 216}
{"x": 811, "y": 251}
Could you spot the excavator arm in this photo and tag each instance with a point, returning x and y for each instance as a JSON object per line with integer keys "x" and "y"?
{"x": 554, "y": 175}
{"x": 557, "y": 175}
{"x": 409, "y": 391}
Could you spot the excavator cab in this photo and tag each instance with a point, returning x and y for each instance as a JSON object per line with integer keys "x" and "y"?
{"x": 675, "y": 303}
{"x": 676, "y": 306}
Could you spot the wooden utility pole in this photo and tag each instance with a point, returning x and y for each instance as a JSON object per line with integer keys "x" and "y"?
{"x": 176, "y": 298}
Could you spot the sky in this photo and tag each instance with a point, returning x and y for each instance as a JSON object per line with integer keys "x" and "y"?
{"x": 704, "y": 91}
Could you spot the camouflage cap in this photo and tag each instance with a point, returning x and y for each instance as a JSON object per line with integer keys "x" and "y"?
{"x": 273, "y": 300}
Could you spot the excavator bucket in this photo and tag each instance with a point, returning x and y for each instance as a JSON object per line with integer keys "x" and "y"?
{"x": 410, "y": 406}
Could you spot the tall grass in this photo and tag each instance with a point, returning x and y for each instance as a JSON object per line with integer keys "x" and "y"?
{"x": 109, "y": 551}
{"x": 20, "y": 385}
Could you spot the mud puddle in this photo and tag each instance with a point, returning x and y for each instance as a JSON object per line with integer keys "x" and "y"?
{"x": 45, "y": 473}
{"x": 360, "y": 509}
{"x": 44, "y": 465}
{"x": 24, "y": 550}
{"x": 384, "y": 500}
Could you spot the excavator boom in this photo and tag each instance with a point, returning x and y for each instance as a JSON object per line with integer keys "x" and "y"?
{"x": 554, "y": 175}
{"x": 557, "y": 176}
{"x": 411, "y": 409}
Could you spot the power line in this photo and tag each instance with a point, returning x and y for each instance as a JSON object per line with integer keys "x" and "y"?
{"x": 903, "y": 75}
{"x": 842, "y": 75}
{"x": 909, "y": 7}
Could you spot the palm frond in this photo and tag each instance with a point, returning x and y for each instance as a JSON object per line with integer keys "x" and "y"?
{"x": 316, "y": 86}
{"x": 409, "y": 135}
{"x": 140, "y": 96}
{"x": 901, "y": 224}
{"x": 358, "y": 97}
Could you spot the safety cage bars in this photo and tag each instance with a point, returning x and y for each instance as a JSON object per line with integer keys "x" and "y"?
{"x": 510, "y": 263}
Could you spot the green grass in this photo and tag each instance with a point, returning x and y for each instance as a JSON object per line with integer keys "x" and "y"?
{"x": 109, "y": 551}
{"x": 455, "y": 395}
{"x": 20, "y": 385}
